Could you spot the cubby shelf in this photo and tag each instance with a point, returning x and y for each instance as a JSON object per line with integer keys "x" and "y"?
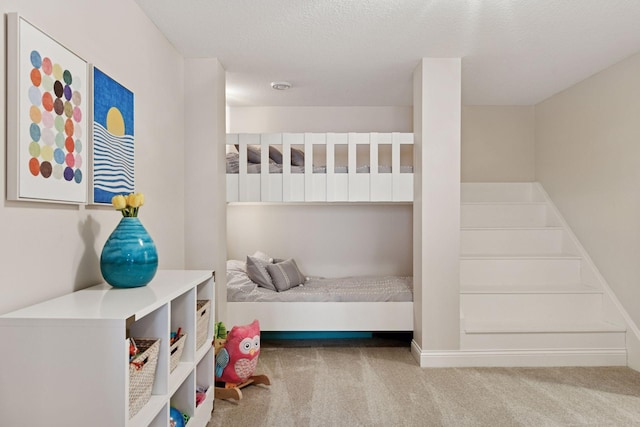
{"x": 67, "y": 358}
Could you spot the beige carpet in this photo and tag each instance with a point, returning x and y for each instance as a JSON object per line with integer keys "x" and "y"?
{"x": 371, "y": 386}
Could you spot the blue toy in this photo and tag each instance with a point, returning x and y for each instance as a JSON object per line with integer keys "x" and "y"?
{"x": 175, "y": 418}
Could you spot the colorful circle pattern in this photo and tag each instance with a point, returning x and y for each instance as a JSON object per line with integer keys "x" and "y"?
{"x": 56, "y": 117}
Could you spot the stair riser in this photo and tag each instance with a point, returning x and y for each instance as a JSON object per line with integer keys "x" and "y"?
{"x": 520, "y": 271}
{"x": 488, "y": 215}
{"x": 498, "y": 192}
{"x": 553, "y": 340}
{"x": 511, "y": 242}
{"x": 531, "y": 307}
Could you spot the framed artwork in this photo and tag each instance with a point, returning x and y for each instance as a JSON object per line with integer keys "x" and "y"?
{"x": 113, "y": 143}
{"x": 46, "y": 117}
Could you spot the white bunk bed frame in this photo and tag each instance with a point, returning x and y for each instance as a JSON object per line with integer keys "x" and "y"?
{"x": 323, "y": 316}
{"x": 321, "y": 187}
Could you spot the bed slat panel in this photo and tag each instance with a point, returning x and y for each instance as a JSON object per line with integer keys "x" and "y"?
{"x": 297, "y": 187}
{"x": 358, "y": 182}
{"x": 321, "y": 187}
{"x": 252, "y": 183}
{"x": 308, "y": 168}
{"x": 323, "y": 316}
{"x": 270, "y": 184}
{"x": 395, "y": 165}
{"x": 403, "y": 182}
{"x": 248, "y": 184}
{"x": 287, "y": 140}
{"x": 331, "y": 140}
{"x": 232, "y": 187}
{"x": 405, "y": 188}
{"x": 232, "y": 178}
{"x": 319, "y": 180}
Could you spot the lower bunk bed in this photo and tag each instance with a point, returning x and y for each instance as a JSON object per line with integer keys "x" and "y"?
{"x": 372, "y": 304}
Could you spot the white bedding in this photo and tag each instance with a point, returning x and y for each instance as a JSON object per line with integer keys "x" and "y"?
{"x": 317, "y": 289}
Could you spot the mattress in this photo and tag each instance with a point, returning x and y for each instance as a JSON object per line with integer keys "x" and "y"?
{"x": 320, "y": 289}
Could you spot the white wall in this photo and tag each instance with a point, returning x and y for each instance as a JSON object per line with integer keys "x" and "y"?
{"x": 588, "y": 160}
{"x": 326, "y": 239}
{"x": 49, "y": 250}
{"x": 320, "y": 119}
{"x": 497, "y": 143}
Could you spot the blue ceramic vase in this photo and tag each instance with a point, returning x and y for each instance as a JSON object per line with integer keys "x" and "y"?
{"x": 129, "y": 258}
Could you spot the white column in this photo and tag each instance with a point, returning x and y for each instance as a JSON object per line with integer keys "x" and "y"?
{"x": 205, "y": 186}
{"x": 436, "y": 206}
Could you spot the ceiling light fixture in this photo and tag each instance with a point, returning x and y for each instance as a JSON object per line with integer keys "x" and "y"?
{"x": 280, "y": 85}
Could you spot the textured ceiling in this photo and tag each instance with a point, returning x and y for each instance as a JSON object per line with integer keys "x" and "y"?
{"x": 363, "y": 53}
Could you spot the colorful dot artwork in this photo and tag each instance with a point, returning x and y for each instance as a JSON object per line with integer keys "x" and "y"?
{"x": 56, "y": 114}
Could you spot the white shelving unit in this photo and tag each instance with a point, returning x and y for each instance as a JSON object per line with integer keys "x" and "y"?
{"x": 65, "y": 361}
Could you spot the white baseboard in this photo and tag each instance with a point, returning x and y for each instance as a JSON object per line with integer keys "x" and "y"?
{"x": 521, "y": 358}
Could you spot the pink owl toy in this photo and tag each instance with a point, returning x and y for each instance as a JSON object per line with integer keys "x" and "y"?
{"x": 236, "y": 362}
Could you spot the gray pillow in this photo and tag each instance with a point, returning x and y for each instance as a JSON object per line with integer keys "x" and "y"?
{"x": 297, "y": 157}
{"x": 275, "y": 155}
{"x": 257, "y": 272}
{"x": 285, "y": 275}
{"x": 253, "y": 153}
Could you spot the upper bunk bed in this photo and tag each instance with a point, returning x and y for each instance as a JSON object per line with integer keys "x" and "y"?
{"x": 320, "y": 167}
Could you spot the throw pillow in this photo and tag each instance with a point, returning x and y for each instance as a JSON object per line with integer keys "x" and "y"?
{"x": 285, "y": 275}
{"x": 257, "y": 272}
{"x": 253, "y": 153}
{"x": 297, "y": 157}
{"x": 275, "y": 155}
{"x": 264, "y": 257}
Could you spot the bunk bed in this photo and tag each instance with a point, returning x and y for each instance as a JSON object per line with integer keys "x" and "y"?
{"x": 295, "y": 175}
{"x": 382, "y": 303}
{"x": 320, "y": 168}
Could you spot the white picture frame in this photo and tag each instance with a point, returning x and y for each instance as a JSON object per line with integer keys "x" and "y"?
{"x": 47, "y": 117}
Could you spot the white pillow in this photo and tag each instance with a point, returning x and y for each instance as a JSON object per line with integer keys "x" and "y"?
{"x": 264, "y": 257}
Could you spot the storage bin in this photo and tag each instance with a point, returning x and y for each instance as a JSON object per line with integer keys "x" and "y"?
{"x": 202, "y": 321}
{"x": 142, "y": 373}
{"x": 176, "y": 352}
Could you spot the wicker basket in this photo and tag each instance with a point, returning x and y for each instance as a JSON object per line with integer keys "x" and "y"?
{"x": 176, "y": 352}
{"x": 142, "y": 372}
{"x": 202, "y": 321}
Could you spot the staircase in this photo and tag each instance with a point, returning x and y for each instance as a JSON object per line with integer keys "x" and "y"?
{"x": 529, "y": 295}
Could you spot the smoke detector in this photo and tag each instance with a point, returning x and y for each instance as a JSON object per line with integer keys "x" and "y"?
{"x": 280, "y": 85}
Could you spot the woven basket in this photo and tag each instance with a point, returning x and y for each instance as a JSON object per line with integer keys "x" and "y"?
{"x": 202, "y": 321}
{"x": 142, "y": 372}
{"x": 176, "y": 352}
